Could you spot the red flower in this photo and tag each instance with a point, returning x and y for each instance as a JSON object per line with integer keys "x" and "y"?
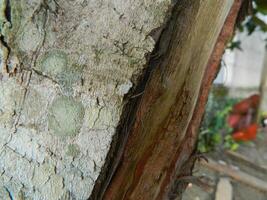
{"x": 246, "y": 134}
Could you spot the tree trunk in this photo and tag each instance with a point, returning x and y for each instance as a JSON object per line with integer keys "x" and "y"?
{"x": 263, "y": 89}
{"x": 164, "y": 134}
{"x": 82, "y": 87}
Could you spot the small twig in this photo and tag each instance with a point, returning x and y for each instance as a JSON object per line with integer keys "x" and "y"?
{"x": 137, "y": 95}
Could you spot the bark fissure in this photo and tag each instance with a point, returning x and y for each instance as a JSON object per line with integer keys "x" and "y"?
{"x": 78, "y": 61}
{"x": 130, "y": 110}
{"x": 188, "y": 147}
{"x": 167, "y": 105}
{"x": 27, "y": 74}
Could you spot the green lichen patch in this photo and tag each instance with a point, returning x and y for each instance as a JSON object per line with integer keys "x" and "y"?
{"x": 54, "y": 63}
{"x": 65, "y": 116}
{"x": 30, "y": 38}
{"x": 72, "y": 75}
{"x": 73, "y": 150}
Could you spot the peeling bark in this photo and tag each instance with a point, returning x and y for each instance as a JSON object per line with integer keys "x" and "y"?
{"x": 186, "y": 155}
{"x": 263, "y": 90}
{"x": 163, "y": 123}
{"x": 85, "y": 83}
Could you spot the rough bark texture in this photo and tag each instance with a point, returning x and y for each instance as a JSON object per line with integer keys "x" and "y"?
{"x": 263, "y": 88}
{"x": 58, "y": 114}
{"x": 186, "y": 154}
{"x": 83, "y": 64}
{"x": 159, "y": 147}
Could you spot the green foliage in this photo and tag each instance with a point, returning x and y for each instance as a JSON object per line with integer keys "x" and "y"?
{"x": 261, "y": 6}
{"x": 252, "y": 23}
{"x": 214, "y": 132}
{"x": 234, "y": 45}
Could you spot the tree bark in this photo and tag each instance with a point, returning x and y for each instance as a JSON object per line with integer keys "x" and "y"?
{"x": 59, "y": 112}
{"x": 90, "y": 95}
{"x": 164, "y": 134}
{"x": 263, "y": 90}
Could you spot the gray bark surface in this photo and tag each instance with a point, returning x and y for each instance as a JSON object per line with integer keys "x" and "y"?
{"x": 58, "y": 113}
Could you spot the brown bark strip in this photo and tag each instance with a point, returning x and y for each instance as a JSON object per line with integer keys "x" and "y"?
{"x": 189, "y": 143}
{"x": 168, "y": 102}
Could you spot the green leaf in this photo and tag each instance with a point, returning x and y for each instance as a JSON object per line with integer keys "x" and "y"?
{"x": 234, "y": 45}
{"x": 260, "y": 23}
{"x": 261, "y": 6}
{"x": 234, "y": 146}
{"x": 217, "y": 138}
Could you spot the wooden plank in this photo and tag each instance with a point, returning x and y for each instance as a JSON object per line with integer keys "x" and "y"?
{"x": 224, "y": 190}
{"x": 235, "y": 156}
{"x": 236, "y": 174}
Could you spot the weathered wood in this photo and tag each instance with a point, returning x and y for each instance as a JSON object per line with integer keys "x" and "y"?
{"x": 263, "y": 88}
{"x": 239, "y": 158}
{"x": 237, "y": 175}
{"x": 188, "y": 145}
{"x": 224, "y": 190}
{"x": 168, "y": 103}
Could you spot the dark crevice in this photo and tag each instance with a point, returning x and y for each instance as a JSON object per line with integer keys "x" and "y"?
{"x": 8, "y": 11}
{"x": 5, "y": 23}
{"x": 9, "y": 193}
{"x": 39, "y": 73}
{"x": 8, "y": 18}
{"x": 2, "y": 38}
{"x": 162, "y": 37}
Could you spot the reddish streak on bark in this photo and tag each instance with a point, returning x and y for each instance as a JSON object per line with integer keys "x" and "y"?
{"x": 189, "y": 143}
{"x": 166, "y": 136}
{"x": 145, "y": 106}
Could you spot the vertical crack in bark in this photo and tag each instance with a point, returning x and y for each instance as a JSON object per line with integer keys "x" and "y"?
{"x": 146, "y": 169}
{"x": 183, "y": 146}
{"x": 5, "y": 49}
{"x": 8, "y": 11}
{"x": 9, "y": 193}
{"x": 162, "y": 36}
{"x": 28, "y": 73}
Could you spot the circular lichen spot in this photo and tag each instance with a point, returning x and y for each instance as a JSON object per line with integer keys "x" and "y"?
{"x": 30, "y": 38}
{"x": 65, "y": 116}
{"x": 54, "y": 63}
{"x": 72, "y": 75}
{"x": 73, "y": 150}
{"x": 57, "y": 65}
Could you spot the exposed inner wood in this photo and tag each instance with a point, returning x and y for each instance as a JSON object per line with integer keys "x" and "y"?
{"x": 188, "y": 146}
{"x": 168, "y": 103}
